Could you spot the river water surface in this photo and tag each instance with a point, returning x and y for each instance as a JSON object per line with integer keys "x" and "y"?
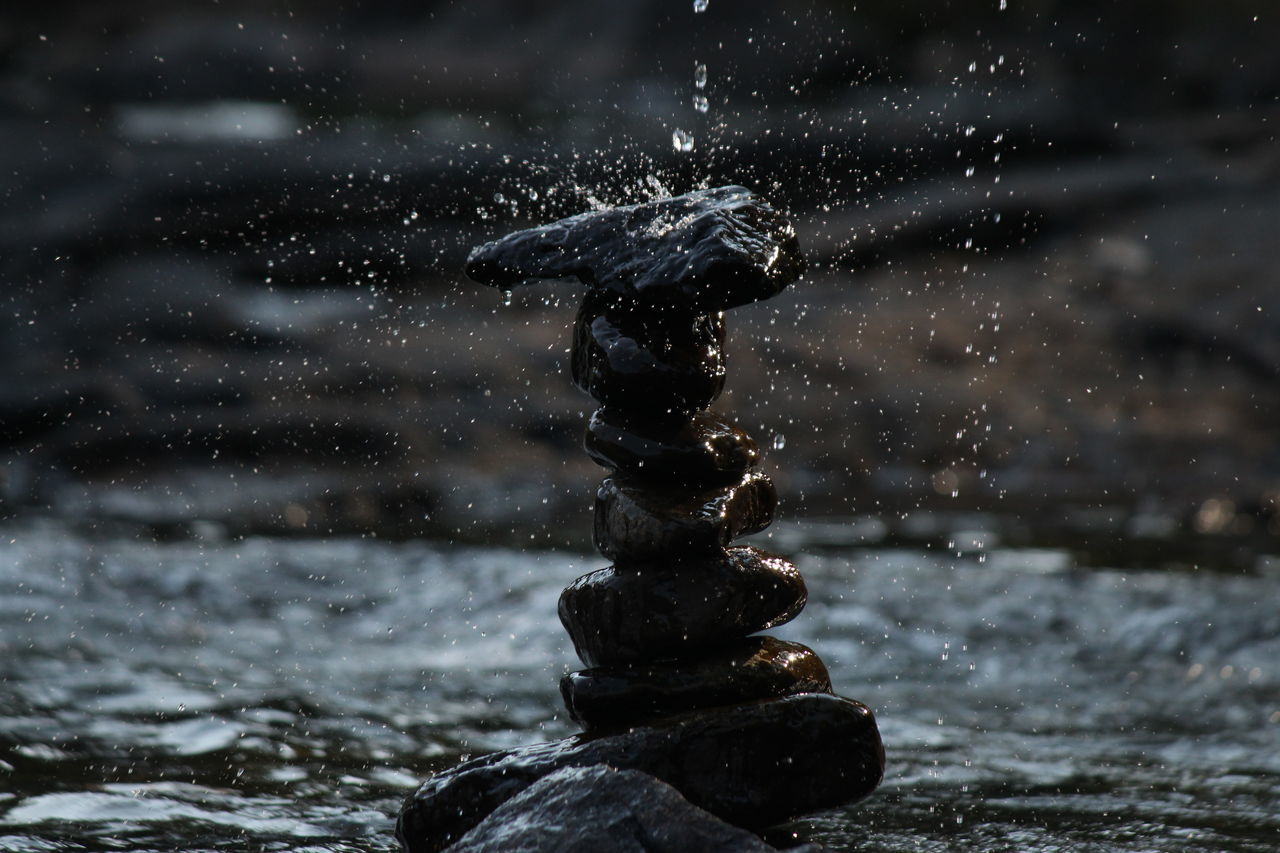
{"x": 272, "y": 694}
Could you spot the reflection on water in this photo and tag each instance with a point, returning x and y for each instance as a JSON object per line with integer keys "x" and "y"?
{"x": 285, "y": 695}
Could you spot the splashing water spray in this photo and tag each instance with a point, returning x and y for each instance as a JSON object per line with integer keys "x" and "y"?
{"x": 678, "y": 684}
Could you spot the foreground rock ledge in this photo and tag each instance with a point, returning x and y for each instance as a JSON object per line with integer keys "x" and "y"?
{"x": 602, "y": 810}
{"x": 753, "y": 765}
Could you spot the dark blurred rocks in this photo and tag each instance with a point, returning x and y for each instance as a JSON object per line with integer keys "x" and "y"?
{"x": 260, "y": 236}
{"x": 753, "y": 765}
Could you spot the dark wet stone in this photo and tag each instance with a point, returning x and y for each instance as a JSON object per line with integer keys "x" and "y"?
{"x": 703, "y": 448}
{"x": 636, "y": 521}
{"x": 753, "y": 765}
{"x": 662, "y": 611}
{"x": 709, "y": 250}
{"x": 598, "y": 808}
{"x": 647, "y": 362}
{"x": 753, "y": 668}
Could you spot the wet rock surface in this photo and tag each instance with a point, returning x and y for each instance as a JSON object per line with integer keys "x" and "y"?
{"x": 624, "y": 615}
{"x": 647, "y": 362}
{"x": 161, "y": 277}
{"x": 704, "y": 448}
{"x": 705, "y": 251}
{"x": 663, "y": 629}
{"x": 750, "y": 669}
{"x": 752, "y": 765}
{"x": 637, "y": 521}
{"x": 594, "y": 809}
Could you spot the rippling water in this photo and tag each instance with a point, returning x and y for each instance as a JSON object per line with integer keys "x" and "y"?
{"x": 285, "y": 695}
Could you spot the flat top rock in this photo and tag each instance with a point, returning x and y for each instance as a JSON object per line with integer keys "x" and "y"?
{"x": 711, "y": 249}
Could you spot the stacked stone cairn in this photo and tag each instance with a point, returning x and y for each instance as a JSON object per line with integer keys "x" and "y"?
{"x": 677, "y": 685}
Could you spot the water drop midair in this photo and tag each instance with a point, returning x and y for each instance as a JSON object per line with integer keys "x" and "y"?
{"x": 700, "y": 5}
{"x": 681, "y": 140}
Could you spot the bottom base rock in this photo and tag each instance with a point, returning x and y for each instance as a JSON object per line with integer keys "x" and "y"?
{"x": 594, "y": 809}
{"x": 753, "y": 765}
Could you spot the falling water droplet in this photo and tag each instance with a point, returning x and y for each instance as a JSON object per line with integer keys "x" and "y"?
{"x": 779, "y": 441}
{"x": 699, "y": 5}
{"x": 658, "y": 188}
{"x": 499, "y": 198}
{"x": 682, "y": 140}
{"x": 700, "y": 75}
{"x": 506, "y": 297}
{"x": 700, "y": 102}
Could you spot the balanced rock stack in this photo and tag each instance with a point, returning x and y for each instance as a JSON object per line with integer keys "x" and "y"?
{"x": 675, "y": 686}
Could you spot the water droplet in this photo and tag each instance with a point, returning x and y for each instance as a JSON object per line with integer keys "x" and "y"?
{"x": 681, "y": 140}
{"x": 700, "y": 75}
{"x": 699, "y": 5}
{"x": 779, "y": 441}
{"x": 700, "y": 102}
{"x": 499, "y": 198}
{"x": 506, "y": 297}
{"x": 656, "y": 186}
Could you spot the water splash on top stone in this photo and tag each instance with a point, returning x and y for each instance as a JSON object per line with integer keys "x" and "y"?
{"x": 711, "y": 250}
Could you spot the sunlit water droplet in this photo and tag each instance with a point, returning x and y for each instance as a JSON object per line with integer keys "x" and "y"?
{"x": 699, "y": 5}
{"x": 658, "y": 188}
{"x": 681, "y": 140}
{"x": 700, "y": 75}
{"x": 779, "y": 441}
{"x": 700, "y": 102}
{"x": 506, "y": 297}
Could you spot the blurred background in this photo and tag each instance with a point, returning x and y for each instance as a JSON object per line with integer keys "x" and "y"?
{"x": 1041, "y": 236}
